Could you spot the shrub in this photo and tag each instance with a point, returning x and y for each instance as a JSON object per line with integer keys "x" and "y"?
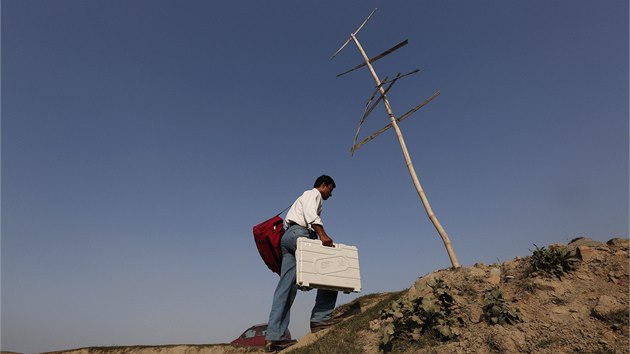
{"x": 412, "y": 319}
{"x": 497, "y": 311}
{"x": 553, "y": 261}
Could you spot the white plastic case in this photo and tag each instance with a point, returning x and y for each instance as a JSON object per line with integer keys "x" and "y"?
{"x": 332, "y": 268}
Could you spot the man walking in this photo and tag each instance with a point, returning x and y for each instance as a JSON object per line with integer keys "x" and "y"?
{"x": 302, "y": 220}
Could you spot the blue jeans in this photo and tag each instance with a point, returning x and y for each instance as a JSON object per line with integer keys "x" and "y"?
{"x": 287, "y": 289}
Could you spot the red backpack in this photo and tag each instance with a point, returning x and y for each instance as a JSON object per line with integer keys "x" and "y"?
{"x": 267, "y": 236}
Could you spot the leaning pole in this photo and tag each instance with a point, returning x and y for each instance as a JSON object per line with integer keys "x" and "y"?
{"x": 403, "y": 146}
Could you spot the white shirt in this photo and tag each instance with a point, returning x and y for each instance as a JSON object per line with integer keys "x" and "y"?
{"x": 306, "y": 209}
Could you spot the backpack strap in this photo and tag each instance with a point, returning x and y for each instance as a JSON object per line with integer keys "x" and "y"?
{"x": 287, "y": 208}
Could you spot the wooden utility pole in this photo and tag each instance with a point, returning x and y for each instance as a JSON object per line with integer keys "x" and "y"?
{"x": 401, "y": 140}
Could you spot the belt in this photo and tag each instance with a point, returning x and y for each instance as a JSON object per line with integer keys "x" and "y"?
{"x": 291, "y": 223}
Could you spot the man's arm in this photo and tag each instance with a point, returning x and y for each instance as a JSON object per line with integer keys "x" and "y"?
{"x": 323, "y": 236}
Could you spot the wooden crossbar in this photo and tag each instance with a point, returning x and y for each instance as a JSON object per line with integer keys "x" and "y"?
{"x": 398, "y": 120}
{"x": 380, "y": 56}
{"x": 354, "y": 33}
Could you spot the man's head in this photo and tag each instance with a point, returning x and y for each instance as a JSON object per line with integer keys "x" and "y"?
{"x": 325, "y": 185}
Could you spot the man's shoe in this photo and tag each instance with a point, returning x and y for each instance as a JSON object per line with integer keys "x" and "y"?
{"x": 272, "y": 346}
{"x": 318, "y": 326}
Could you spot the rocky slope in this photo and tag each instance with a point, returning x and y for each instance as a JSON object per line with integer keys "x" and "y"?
{"x": 584, "y": 310}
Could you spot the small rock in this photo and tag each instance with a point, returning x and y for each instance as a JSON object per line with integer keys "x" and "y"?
{"x": 605, "y": 305}
{"x": 614, "y": 279}
{"x": 495, "y": 276}
{"x": 510, "y": 265}
{"x": 583, "y": 276}
{"x": 476, "y": 272}
{"x": 507, "y": 341}
{"x": 619, "y": 243}
{"x": 609, "y": 336}
{"x": 545, "y": 285}
{"x": 375, "y": 325}
{"x": 587, "y": 254}
{"x": 584, "y": 241}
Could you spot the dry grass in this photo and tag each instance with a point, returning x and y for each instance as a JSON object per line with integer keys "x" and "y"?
{"x": 342, "y": 339}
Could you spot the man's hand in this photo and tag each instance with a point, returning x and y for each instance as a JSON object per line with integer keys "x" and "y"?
{"x": 326, "y": 241}
{"x": 323, "y": 236}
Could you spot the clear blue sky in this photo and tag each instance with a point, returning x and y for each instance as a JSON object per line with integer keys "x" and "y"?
{"x": 142, "y": 140}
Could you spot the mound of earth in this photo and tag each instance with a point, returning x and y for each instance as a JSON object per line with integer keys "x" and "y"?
{"x": 584, "y": 310}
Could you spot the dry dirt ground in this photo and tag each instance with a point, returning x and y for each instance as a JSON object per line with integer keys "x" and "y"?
{"x": 583, "y": 311}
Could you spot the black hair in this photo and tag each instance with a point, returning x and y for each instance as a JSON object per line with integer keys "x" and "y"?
{"x": 323, "y": 179}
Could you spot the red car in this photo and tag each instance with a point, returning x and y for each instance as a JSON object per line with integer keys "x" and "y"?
{"x": 254, "y": 336}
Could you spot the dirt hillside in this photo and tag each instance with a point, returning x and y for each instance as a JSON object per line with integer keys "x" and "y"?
{"x": 561, "y": 299}
{"x": 513, "y": 307}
